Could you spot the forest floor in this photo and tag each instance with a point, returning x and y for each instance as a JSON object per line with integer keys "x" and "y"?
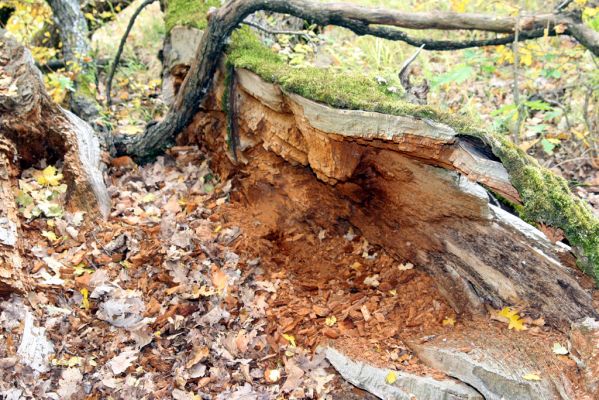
{"x": 191, "y": 289}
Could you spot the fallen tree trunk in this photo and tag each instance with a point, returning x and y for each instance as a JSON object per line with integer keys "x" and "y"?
{"x": 409, "y": 185}
{"x": 361, "y": 20}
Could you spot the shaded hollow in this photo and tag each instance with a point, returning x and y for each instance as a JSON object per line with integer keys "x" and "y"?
{"x": 410, "y": 185}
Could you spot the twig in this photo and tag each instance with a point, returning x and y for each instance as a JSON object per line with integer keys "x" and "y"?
{"x": 274, "y": 31}
{"x": 418, "y": 94}
{"x": 516, "y": 83}
{"x": 117, "y": 57}
{"x": 579, "y": 158}
{"x": 562, "y": 5}
{"x": 410, "y": 60}
{"x": 587, "y": 119}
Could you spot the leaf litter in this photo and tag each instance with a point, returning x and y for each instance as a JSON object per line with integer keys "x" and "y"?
{"x": 179, "y": 295}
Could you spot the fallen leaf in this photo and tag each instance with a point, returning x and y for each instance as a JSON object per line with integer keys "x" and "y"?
{"x": 49, "y": 176}
{"x": 290, "y": 339}
{"x": 449, "y": 321}
{"x": 405, "y": 267}
{"x": 531, "y": 377}
{"x": 372, "y": 280}
{"x": 272, "y": 375}
{"x": 559, "y": 349}
{"x": 85, "y": 299}
{"x": 513, "y": 319}
{"x": 219, "y": 279}
{"x": 70, "y": 382}
{"x": 391, "y": 378}
{"x": 51, "y": 236}
{"x": 123, "y": 361}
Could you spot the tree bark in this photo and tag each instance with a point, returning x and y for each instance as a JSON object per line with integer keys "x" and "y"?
{"x": 40, "y": 129}
{"x": 361, "y": 20}
{"x": 76, "y": 48}
{"x": 11, "y": 276}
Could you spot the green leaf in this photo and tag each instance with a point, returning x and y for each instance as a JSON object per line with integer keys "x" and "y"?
{"x": 508, "y": 109}
{"x": 548, "y": 147}
{"x": 556, "y": 112}
{"x": 23, "y": 199}
{"x": 457, "y": 75}
{"x": 538, "y": 105}
{"x": 537, "y": 128}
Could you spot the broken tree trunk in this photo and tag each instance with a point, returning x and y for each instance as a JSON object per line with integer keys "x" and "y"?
{"x": 33, "y": 128}
{"x": 411, "y": 185}
{"x": 40, "y": 129}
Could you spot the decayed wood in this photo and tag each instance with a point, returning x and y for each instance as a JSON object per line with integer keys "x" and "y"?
{"x": 498, "y": 362}
{"x": 362, "y": 21}
{"x": 11, "y": 278}
{"x": 410, "y": 185}
{"x": 40, "y": 129}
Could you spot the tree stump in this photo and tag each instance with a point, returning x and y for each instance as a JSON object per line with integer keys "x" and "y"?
{"x": 33, "y": 128}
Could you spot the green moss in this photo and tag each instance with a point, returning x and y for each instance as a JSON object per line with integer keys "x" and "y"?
{"x": 547, "y": 199}
{"x": 190, "y": 13}
{"x": 354, "y": 91}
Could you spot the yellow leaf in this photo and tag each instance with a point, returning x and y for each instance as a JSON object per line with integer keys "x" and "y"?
{"x": 49, "y": 177}
{"x": 290, "y": 339}
{"x": 506, "y": 312}
{"x": 449, "y": 321}
{"x": 330, "y": 321}
{"x": 74, "y": 362}
{"x": 531, "y": 377}
{"x": 51, "y": 236}
{"x": 560, "y": 28}
{"x": 515, "y": 322}
{"x": 80, "y": 269}
{"x": 391, "y": 378}
{"x": 148, "y": 198}
{"x": 85, "y": 300}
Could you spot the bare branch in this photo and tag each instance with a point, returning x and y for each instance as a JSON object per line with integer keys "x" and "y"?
{"x": 276, "y": 32}
{"x": 117, "y": 57}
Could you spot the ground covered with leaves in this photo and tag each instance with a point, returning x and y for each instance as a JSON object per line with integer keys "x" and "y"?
{"x": 180, "y": 295}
